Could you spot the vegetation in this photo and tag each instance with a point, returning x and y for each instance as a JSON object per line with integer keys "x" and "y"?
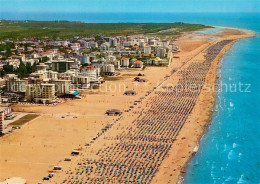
{"x": 6, "y": 49}
{"x": 13, "y": 30}
{"x": 22, "y": 71}
{"x": 24, "y": 120}
{"x": 87, "y": 51}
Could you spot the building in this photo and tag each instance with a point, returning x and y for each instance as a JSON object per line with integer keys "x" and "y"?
{"x": 127, "y": 44}
{"x": 108, "y": 69}
{"x": 8, "y": 113}
{"x": 125, "y": 62}
{"x": 153, "y": 61}
{"x": 92, "y": 73}
{"x": 115, "y": 63}
{"x": 147, "y": 50}
{"x": 1, "y": 122}
{"x": 51, "y": 75}
{"x": 141, "y": 44}
{"x": 152, "y": 42}
{"x": 62, "y": 87}
{"x": 84, "y": 59}
{"x": 82, "y": 82}
{"x": 15, "y": 85}
{"x": 92, "y": 44}
{"x": 112, "y": 42}
{"x": 104, "y": 47}
{"x": 44, "y": 93}
{"x": 61, "y": 65}
{"x": 138, "y": 64}
{"x": 40, "y": 75}
{"x": 42, "y": 67}
{"x": 133, "y": 61}
{"x": 160, "y": 52}
{"x": 111, "y": 58}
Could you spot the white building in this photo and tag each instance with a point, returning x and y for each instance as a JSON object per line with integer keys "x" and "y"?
{"x": 43, "y": 92}
{"x": 127, "y": 44}
{"x": 80, "y": 81}
{"x": 125, "y": 62}
{"x": 113, "y": 42}
{"x": 91, "y": 72}
{"x": 92, "y": 44}
{"x": 108, "y": 69}
{"x": 51, "y": 75}
{"x": 42, "y": 67}
{"x": 152, "y": 42}
{"x": 141, "y": 44}
{"x": 104, "y": 47}
{"x": 14, "y": 84}
{"x": 160, "y": 52}
{"x": 62, "y": 87}
{"x": 147, "y": 50}
{"x": 138, "y": 64}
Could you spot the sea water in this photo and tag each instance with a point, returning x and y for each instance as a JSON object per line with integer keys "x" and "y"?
{"x": 230, "y": 150}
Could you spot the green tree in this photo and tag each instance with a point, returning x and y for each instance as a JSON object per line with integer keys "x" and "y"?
{"x": 22, "y": 70}
{"x": 28, "y": 68}
{"x": 45, "y": 59}
{"x": 34, "y": 67}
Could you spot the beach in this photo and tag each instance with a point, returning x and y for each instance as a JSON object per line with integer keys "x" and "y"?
{"x": 32, "y": 151}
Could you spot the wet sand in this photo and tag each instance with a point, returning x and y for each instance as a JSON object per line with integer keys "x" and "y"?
{"x": 32, "y": 151}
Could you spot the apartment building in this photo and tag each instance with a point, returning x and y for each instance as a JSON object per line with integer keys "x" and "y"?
{"x": 44, "y": 93}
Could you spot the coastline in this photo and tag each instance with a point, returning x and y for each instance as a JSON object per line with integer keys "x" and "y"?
{"x": 201, "y": 113}
{"x": 198, "y": 121}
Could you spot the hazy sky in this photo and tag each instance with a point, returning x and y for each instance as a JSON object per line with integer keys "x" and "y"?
{"x": 130, "y": 5}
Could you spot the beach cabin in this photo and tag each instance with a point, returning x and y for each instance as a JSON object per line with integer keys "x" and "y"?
{"x": 67, "y": 159}
{"x": 113, "y": 112}
{"x": 74, "y": 152}
{"x": 130, "y": 93}
{"x": 46, "y": 178}
{"x": 50, "y": 175}
{"x": 57, "y": 168}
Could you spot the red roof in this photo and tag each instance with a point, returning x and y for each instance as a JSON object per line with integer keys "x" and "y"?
{"x": 138, "y": 62}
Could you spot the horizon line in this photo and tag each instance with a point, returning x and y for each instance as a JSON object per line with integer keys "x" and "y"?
{"x": 128, "y": 12}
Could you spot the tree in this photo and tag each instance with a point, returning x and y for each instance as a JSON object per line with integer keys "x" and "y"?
{"x": 34, "y": 67}
{"x": 22, "y": 70}
{"x": 45, "y": 59}
{"x": 102, "y": 74}
{"x": 28, "y": 68}
{"x": 97, "y": 38}
{"x": 8, "y": 68}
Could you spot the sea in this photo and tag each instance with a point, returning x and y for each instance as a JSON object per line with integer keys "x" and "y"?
{"x": 229, "y": 151}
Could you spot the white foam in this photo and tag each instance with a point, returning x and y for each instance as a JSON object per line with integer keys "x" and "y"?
{"x": 232, "y": 155}
{"x": 241, "y": 180}
{"x": 231, "y": 104}
{"x": 229, "y": 178}
{"x": 235, "y": 145}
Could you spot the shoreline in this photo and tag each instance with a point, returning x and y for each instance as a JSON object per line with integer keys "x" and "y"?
{"x": 211, "y": 100}
{"x": 202, "y": 102}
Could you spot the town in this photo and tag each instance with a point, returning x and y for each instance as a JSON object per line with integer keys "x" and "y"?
{"x": 46, "y": 71}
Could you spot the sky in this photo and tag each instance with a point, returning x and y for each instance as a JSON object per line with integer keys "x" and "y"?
{"x": 130, "y": 6}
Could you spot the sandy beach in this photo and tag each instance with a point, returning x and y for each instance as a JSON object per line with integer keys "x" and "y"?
{"x": 32, "y": 151}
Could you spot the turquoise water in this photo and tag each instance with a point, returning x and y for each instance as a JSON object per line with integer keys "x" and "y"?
{"x": 230, "y": 150}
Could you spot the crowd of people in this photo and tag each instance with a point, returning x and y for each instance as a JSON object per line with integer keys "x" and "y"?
{"x": 136, "y": 153}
